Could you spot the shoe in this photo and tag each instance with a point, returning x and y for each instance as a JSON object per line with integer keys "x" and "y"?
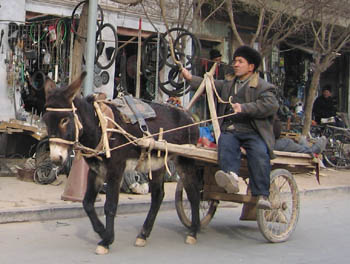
{"x": 228, "y": 181}
{"x": 263, "y": 203}
{"x": 323, "y": 143}
{"x": 320, "y": 145}
{"x": 139, "y": 188}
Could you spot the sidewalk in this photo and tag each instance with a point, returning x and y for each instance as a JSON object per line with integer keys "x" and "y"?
{"x": 27, "y": 201}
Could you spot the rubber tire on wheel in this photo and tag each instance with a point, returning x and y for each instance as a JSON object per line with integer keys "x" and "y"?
{"x": 74, "y": 30}
{"x": 115, "y": 40}
{"x": 272, "y": 228}
{"x": 336, "y": 154}
{"x": 207, "y": 209}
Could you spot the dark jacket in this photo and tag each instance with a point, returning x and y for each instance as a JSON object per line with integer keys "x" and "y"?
{"x": 261, "y": 105}
{"x": 324, "y": 108}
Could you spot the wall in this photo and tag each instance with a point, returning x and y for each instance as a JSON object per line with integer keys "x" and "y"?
{"x": 64, "y": 9}
{"x": 116, "y": 14}
{"x": 9, "y": 11}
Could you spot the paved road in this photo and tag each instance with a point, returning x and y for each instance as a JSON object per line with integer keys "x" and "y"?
{"x": 322, "y": 236}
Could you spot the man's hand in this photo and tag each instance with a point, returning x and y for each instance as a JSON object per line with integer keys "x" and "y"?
{"x": 186, "y": 74}
{"x": 237, "y": 108}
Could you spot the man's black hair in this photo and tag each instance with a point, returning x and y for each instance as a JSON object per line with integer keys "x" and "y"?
{"x": 250, "y": 54}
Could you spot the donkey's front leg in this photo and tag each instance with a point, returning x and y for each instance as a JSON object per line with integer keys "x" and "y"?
{"x": 110, "y": 210}
{"x": 89, "y": 202}
{"x": 157, "y": 195}
{"x": 96, "y": 176}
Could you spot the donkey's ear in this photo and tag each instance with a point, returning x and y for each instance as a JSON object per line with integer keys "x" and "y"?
{"x": 49, "y": 87}
{"x": 74, "y": 88}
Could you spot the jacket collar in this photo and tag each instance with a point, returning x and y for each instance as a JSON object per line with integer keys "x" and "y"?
{"x": 254, "y": 80}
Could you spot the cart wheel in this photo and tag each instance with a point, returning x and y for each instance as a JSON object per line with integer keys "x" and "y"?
{"x": 207, "y": 209}
{"x": 278, "y": 224}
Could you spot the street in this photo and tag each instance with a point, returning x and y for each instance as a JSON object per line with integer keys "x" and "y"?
{"x": 321, "y": 236}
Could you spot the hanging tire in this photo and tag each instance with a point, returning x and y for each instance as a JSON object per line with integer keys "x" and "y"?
{"x": 113, "y": 46}
{"x": 178, "y": 35}
{"x": 45, "y": 170}
{"x": 98, "y": 22}
{"x": 278, "y": 224}
{"x": 207, "y": 209}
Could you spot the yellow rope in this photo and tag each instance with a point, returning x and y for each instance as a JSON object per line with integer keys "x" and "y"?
{"x": 170, "y": 130}
{"x": 131, "y": 138}
{"x": 220, "y": 100}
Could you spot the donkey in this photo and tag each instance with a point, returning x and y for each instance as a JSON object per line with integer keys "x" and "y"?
{"x": 70, "y": 118}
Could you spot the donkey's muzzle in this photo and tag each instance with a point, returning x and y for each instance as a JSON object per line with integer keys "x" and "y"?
{"x": 58, "y": 153}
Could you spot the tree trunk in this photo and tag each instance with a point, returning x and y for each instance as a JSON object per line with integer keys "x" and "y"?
{"x": 310, "y": 100}
{"x": 79, "y": 43}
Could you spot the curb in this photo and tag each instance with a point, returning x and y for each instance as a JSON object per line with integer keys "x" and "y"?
{"x": 44, "y": 213}
{"x": 325, "y": 192}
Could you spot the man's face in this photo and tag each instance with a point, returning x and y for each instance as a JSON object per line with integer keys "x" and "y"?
{"x": 326, "y": 93}
{"x": 242, "y": 68}
{"x": 217, "y": 59}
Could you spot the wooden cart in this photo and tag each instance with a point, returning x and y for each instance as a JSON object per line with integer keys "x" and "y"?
{"x": 277, "y": 224}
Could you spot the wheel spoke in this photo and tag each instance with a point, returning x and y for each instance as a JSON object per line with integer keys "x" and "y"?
{"x": 277, "y": 224}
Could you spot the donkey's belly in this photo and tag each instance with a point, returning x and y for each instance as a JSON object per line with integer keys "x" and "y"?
{"x": 144, "y": 165}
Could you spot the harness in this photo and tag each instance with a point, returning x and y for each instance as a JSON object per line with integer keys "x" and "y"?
{"x": 104, "y": 118}
{"x": 108, "y": 125}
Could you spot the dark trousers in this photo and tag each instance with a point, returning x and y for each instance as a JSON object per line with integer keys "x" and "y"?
{"x": 259, "y": 167}
{"x": 289, "y": 145}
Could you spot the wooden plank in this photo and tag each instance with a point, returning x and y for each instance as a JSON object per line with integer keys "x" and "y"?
{"x": 229, "y": 197}
{"x": 212, "y": 109}
{"x": 286, "y": 159}
{"x": 292, "y": 160}
{"x": 200, "y": 89}
{"x": 13, "y": 130}
{"x": 13, "y": 125}
{"x": 186, "y": 150}
{"x": 16, "y": 126}
{"x": 291, "y": 154}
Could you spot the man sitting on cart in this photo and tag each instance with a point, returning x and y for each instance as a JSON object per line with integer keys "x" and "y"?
{"x": 253, "y": 102}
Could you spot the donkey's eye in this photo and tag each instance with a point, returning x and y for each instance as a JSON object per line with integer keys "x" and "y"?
{"x": 64, "y": 121}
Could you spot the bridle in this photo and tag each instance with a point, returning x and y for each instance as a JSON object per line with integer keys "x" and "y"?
{"x": 77, "y": 124}
{"x": 103, "y": 145}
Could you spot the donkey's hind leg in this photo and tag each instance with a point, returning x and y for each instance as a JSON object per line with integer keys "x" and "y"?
{"x": 188, "y": 173}
{"x": 157, "y": 196}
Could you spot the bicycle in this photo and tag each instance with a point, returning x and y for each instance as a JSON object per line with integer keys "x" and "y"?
{"x": 337, "y": 152}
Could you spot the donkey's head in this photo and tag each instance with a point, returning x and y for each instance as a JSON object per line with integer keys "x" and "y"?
{"x": 60, "y": 118}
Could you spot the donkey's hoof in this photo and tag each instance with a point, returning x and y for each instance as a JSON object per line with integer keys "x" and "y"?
{"x": 190, "y": 240}
{"x": 140, "y": 242}
{"x": 100, "y": 250}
